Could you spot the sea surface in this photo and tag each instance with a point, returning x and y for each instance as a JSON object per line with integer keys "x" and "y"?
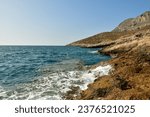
{"x": 43, "y": 72}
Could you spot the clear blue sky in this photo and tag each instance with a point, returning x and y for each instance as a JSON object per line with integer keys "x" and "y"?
{"x": 59, "y": 22}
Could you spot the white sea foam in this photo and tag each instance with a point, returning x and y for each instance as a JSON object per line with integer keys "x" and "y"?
{"x": 54, "y": 85}
{"x": 89, "y": 76}
{"x": 93, "y": 52}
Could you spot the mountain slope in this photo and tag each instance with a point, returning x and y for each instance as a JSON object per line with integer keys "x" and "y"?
{"x": 134, "y": 23}
{"x": 127, "y": 27}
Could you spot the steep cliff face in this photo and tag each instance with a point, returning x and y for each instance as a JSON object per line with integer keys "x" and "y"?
{"x": 134, "y": 23}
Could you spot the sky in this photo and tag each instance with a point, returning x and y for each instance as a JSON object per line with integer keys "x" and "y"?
{"x": 59, "y": 22}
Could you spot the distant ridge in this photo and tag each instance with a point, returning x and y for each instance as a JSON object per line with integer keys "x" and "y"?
{"x": 134, "y": 23}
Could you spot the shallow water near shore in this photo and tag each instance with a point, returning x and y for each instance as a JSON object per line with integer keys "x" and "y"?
{"x": 44, "y": 72}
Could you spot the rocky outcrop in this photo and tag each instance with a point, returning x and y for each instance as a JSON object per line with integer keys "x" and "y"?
{"x": 125, "y": 44}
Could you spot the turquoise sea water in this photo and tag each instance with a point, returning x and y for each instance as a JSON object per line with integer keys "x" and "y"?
{"x": 42, "y": 72}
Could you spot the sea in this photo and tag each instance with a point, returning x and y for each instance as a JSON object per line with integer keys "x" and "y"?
{"x": 43, "y": 72}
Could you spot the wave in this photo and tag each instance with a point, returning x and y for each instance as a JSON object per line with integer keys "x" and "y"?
{"x": 90, "y": 75}
{"x": 55, "y": 81}
{"x": 93, "y": 52}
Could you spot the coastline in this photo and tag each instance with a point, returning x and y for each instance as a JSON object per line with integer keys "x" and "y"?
{"x": 130, "y": 77}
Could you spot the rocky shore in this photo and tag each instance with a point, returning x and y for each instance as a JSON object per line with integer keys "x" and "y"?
{"x": 129, "y": 46}
{"x": 130, "y": 78}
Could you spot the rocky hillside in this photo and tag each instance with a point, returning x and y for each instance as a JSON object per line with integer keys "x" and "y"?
{"x": 129, "y": 46}
{"x": 128, "y": 42}
{"x": 126, "y": 28}
{"x": 134, "y": 23}
{"x": 130, "y": 77}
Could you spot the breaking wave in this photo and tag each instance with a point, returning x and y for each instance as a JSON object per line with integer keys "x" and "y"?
{"x": 55, "y": 81}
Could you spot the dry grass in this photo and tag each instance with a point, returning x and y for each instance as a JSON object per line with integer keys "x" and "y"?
{"x": 106, "y": 37}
